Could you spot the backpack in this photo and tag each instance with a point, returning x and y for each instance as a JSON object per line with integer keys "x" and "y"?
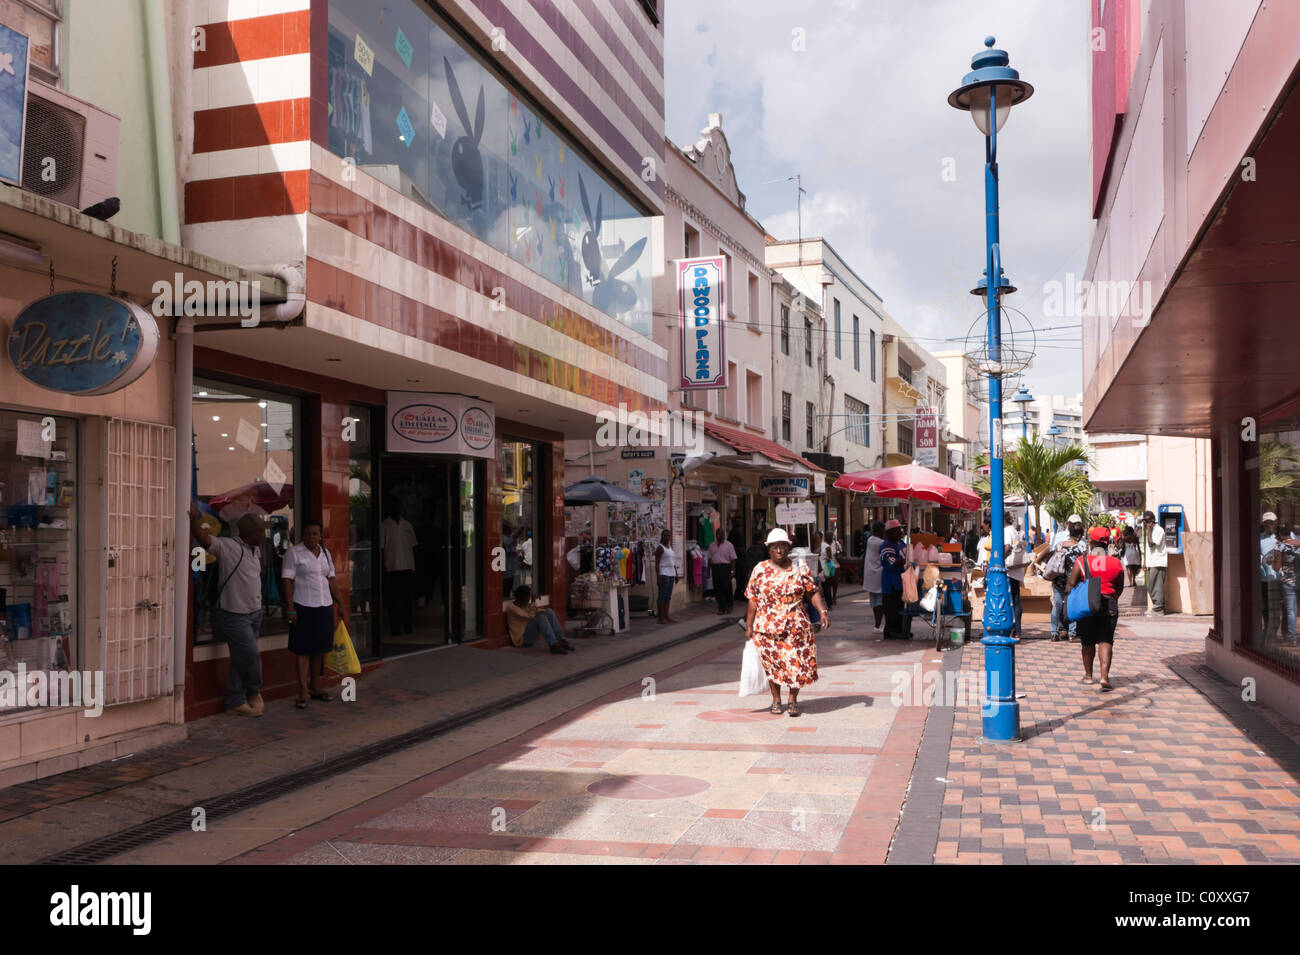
{"x": 1055, "y": 567}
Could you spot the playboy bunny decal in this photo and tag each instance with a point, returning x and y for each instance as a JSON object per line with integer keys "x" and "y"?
{"x": 609, "y": 293}
{"x": 466, "y": 161}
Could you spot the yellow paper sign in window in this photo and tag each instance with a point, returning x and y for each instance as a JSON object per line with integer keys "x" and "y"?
{"x": 365, "y": 56}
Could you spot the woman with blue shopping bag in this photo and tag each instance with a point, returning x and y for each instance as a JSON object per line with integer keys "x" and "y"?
{"x": 1094, "y": 587}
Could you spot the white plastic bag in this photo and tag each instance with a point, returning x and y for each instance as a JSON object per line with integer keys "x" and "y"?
{"x": 928, "y": 601}
{"x": 753, "y": 679}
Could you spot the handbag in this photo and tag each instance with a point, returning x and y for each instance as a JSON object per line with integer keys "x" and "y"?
{"x": 753, "y": 679}
{"x": 1055, "y": 566}
{"x": 342, "y": 659}
{"x": 910, "y": 591}
{"x": 1019, "y": 555}
{"x": 1085, "y": 599}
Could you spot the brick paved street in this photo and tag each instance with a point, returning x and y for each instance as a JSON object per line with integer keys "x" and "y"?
{"x": 694, "y": 773}
{"x": 1150, "y": 772}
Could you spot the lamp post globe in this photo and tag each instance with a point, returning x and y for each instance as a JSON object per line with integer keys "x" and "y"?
{"x": 988, "y": 92}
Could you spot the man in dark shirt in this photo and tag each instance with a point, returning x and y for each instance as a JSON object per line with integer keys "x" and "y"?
{"x": 1074, "y": 548}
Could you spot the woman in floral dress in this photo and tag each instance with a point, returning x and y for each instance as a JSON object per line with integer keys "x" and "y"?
{"x": 777, "y": 623}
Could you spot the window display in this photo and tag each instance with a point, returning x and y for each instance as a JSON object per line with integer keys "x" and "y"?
{"x": 411, "y": 106}
{"x": 244, "y": 463}
{"x": 1276, "y": 491}
{"x": 519, "y": 518}
{"x": 38, "y": 542}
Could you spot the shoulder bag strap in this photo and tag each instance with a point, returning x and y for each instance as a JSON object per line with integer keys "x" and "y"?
{"x": 221, "y": 585}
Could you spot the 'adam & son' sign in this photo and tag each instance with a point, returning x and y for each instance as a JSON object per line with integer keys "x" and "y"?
{"x": 82, "y": 343}
{"x": 701, "y": 293}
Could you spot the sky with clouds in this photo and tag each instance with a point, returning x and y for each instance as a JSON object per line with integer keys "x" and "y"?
{"x": 862, "y": 114}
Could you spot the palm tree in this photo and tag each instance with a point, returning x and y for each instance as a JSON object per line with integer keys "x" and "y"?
{"x": 1279, "y": 473}
{"x": 1047, "y": 477}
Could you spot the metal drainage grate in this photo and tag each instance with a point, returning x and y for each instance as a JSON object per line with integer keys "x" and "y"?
{"x": 178, "y": 821}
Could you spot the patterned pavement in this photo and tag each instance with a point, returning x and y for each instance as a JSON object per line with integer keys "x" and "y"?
{"x": 1151, "y": 772}
{"x": 692, "y": 773}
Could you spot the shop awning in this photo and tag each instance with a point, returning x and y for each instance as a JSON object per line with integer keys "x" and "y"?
{"x": 763, "y": 453}
{"x": 82, "y": 250}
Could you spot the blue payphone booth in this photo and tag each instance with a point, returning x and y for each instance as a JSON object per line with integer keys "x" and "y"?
{"x": 1170, "y": 518}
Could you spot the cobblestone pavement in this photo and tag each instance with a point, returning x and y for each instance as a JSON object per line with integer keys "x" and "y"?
{"x": 1150, "y": 772}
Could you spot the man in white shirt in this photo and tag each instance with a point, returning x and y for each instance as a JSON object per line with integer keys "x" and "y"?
{"x": 237, "y": 617}
{"x": 1015, "y": 553}
{"x": 397, "y": 542}
{"x": 722, "y": 564}
{"x": 1157, "y": 561}
{"x": 871, "y": 571}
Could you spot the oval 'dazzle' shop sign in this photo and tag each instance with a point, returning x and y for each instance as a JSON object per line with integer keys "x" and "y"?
{"x": 83, "y": 343}
{"x": 425, "y": 423}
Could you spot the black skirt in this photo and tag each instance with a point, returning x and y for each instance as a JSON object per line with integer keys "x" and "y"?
{"x": 314, "y": 632}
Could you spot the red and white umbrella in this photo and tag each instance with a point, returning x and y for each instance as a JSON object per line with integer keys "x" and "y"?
{"x": 912, "y": 482}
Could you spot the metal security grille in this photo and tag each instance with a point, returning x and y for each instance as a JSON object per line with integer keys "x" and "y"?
{"x": 137, "y": 657}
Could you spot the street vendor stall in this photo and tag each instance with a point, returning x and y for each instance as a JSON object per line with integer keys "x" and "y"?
{"x": 939, "y": 565}
{"x": 604, "y": 588}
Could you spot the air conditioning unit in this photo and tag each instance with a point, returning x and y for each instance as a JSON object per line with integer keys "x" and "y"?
{"x": 69, "y": 147}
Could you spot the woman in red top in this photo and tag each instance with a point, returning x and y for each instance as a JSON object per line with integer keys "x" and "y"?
{"x": 1097, "y": 633}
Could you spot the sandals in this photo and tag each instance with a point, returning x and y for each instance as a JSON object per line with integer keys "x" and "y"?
{"x": 301, "y": 704}
{"x": 793, "y": 709}
{"x": 323, "y": 697}
{"x": 775, "y": 708}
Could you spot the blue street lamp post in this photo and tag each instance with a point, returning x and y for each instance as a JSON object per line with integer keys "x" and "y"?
{"x": 1022, "y": 398}
{"x": 988, "y": 92}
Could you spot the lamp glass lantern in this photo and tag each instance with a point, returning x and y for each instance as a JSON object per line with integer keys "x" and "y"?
{"x": 990, "y": 89}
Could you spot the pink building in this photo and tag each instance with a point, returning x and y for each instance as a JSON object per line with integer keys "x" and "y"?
{"x": 1189, "y": 326}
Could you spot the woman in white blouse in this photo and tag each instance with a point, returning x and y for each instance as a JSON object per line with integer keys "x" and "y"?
{"x": 310, "y": 590}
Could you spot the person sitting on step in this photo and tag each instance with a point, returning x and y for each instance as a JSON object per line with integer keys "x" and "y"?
{"x": 525, "y": 620}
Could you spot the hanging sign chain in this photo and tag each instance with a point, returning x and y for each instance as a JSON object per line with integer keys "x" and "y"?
{"x": 51, "y": 276}
{"x": 112, "y": 287}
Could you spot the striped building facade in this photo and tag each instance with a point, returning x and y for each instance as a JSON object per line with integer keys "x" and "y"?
{"x": 464, "y": 188}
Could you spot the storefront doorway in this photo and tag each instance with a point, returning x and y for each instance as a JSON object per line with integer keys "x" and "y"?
{"x": 428, "y": 553}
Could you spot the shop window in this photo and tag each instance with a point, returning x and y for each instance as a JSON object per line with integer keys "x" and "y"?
{"x": 362, "y": 531}
{"x": 245, "y": 460}
{"x": 1274, "y": 486}
{"x": 415, "y": 107}
{"x": 521, "y": 530}
{"x": 838, "y": 353}
{"x": 754, "y": 399}
{"x": 40, "y": 496}
{"x": 858, "y": 415}
{"x": 39, "y": 21}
